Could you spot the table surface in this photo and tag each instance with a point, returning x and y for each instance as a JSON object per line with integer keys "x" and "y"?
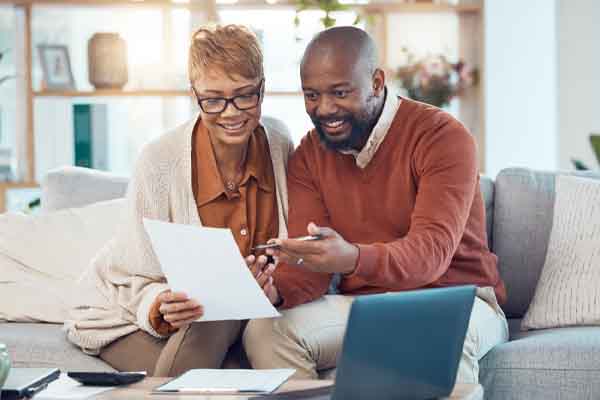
{"x": 141, "y": 390}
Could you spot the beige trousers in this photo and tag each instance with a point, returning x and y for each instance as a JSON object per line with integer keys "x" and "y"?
{"x": 198, "y": 345}
{"x": 309, "y": 337}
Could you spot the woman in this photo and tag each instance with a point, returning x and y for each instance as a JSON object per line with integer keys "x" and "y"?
{"x": 222, "y": 169}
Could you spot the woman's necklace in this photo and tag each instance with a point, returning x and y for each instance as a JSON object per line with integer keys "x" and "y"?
{"x": 231, "y": 185}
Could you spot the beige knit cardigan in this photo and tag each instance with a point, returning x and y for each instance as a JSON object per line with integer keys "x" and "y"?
{"x": 125, "y": 277}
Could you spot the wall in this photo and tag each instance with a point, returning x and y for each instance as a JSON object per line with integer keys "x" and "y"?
{"x": 579, "y": 79}
{"x": 521, "y": 84}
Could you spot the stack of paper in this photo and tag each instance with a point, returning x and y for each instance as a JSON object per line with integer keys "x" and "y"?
{"x": 227, "y": 381}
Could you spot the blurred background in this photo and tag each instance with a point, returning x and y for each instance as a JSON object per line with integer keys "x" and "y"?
{"x": 89, "y": 82}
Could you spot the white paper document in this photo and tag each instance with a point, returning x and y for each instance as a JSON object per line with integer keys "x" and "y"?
{"x": 206, "y": 264}
{"x": 65, "y": 388}
{"x": 227, "y": 381}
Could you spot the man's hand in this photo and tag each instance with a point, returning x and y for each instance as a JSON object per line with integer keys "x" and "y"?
{"x": 331, "y": 254}
{"x": 263, "y": 273}
{"x": 177, "y": 309}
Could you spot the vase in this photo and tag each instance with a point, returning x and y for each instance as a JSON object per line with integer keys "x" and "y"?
{"x": 107, "y": 61}
{"x": 4, "y": 365}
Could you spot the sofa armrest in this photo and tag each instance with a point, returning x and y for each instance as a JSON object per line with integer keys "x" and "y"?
{"x": 68, "y": 187}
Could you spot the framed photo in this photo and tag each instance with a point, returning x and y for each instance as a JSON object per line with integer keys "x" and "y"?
{"x": 56, "y": 66}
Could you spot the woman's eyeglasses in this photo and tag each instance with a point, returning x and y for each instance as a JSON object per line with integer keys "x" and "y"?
{"x": 243, "y": 102}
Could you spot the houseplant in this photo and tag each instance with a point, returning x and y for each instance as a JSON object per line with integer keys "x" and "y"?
{"x": 328, "y": 6}
{"x": 434, "y": 79}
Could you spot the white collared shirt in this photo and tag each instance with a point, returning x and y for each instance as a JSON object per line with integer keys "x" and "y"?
{"x": 390, "y": 107}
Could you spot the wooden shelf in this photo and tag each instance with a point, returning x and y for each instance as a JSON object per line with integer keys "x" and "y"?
{"x": 18, "y": 185}
{"x": 4, "y": 186}
{"x": 112, "y": 93}
{"x": 112, "y": 3}
{"x": 390, "y": 6}
{"x": 380, "y": 6}
{"x": 134, "y": 93}
{"x": 421, "y": 8}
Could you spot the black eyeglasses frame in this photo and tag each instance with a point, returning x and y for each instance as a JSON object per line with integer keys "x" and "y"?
{"x": 259, "y": 93}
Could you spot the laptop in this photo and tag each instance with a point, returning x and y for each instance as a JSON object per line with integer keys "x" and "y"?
{"x": 404, "y": 345}
{"x": 26, "y": 382}
{"x": 595, "y": 142}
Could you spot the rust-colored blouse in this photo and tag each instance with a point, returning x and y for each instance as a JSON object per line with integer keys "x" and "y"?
{"x": 250, "y": 212}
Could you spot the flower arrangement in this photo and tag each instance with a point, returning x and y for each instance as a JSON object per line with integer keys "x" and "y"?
{"x": 433, "y": 79}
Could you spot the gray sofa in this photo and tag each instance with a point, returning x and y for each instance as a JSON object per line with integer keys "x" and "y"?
{"x": 547, "y": 364}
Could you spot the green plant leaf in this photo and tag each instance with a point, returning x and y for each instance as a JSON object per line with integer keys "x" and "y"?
{"x": 327, "y": 6}
{"x": 327, "y": 21}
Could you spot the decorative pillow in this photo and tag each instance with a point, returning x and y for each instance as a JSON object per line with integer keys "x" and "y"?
{"x": 568, "y": 292}
{"x": 41, "y": 257}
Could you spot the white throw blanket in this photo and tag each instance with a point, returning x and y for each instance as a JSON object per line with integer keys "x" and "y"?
{"x": 125, "y": 277}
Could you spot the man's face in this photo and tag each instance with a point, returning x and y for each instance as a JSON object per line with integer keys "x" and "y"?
{"x": 340, "y": 99}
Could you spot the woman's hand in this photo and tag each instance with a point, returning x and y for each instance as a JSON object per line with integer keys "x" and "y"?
{"x": 177, "y": 309}
{"x": 263, "y": 273}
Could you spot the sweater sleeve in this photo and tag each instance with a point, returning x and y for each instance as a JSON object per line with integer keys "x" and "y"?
{"x": 134, "y": 274}
{"x": 445, "y": 167}
{"x": 149, "y": 199}
{"x": 298, "y": 285}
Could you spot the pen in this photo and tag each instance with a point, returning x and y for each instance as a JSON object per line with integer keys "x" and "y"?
{"x": 302, "y": 239}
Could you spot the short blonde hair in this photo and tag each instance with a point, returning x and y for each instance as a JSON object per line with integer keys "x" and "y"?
{"x": 233, "y": 49}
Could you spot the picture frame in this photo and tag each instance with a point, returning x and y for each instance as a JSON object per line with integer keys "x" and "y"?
{"x": 56, "y": 66}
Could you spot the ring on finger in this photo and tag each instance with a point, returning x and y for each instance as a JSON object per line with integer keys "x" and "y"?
{"x": 300, "y": 261}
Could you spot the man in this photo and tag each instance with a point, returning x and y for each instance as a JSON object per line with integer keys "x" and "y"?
{"x": 392, "y": 185}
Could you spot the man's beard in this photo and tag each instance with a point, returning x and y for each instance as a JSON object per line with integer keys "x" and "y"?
{"x": 360, "y": 131}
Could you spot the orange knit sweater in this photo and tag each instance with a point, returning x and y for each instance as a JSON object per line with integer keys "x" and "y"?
{"x": 415, "y": 211}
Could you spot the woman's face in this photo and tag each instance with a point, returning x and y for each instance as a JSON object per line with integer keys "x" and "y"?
{"x": 231, "y": 125}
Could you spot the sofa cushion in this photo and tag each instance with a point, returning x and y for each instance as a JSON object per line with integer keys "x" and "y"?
{"x": 487, "y": 190}
{"x": 561, "y": 363}
{"x": 574, "y": 348}
{"x": 567, "y": 293}
{"x": 535, "y": 384}
{"x": 41, "y": 257}
{"x": 45, "y": 345}
{"x": 69, "y": 187}
{"x": 523, "y": 211}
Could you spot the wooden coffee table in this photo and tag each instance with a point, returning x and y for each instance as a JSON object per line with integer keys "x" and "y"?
{"x": 141, "y": 390}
